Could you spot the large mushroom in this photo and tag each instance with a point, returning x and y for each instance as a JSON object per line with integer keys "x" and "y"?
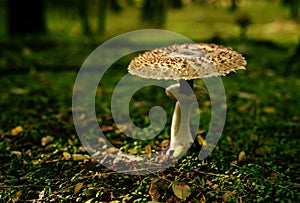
{"x": 185, "y": 62}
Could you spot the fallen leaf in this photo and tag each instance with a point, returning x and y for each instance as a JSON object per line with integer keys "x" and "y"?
{"x": 28, "y": 152}
{"x": 123, "y": 128}
{"x": 242, "y": 155}
{"x": 226, "y": 196}
{"x": 269, "y": 109}
{"x": 79, "y": 157}
{"x": 41, "y": 194}
{"x": 90, "y": 200}
{"x": 106, "y": 128}
{"x": 158, "y": 187}
{"x": 148, "y": 149}
{"x": 16, "y": 130}
{"x": 112, "y": 150}
{"x": 201, "y": 140}
{"x": 67, "y": 155}
{"x": 153, "y": 192}
{"x": 206, "y": 104}
{"x": 36, "y": 162}
{"x": 202, "y": 199}
{"x": 181, "y": 190}
{"x": 17, "y": 196}
{"x": 77, "y": 188}
{"x": 46, "y": 140}
{"x": 17, "y": 153}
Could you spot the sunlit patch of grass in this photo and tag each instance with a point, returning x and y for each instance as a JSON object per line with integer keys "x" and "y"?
{"x": 270, "y": 21}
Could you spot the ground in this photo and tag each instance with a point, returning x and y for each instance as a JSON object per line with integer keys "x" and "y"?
{"x": 41, "y": 157}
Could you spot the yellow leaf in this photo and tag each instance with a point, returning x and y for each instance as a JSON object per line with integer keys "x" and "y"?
{"x": 90, "y": 200}
{"x": 77, "y": 188}
{"x": 206, "y": 104}
{"x": 181, "y": 190}
{"x": 202, "y": 199}
{"x": 17, "y": 153}
{"x": 46, "y": 140}
{"x": 36, "y": 162}
{"x": 148, "y": 149}
{"x": 241, "y": 155}
{"x": 79, "y": 157}
{"x": 16, "y": 130}
{"x": 112, "y": 150}
{"x": 201, "y": 140}
{"x": 67, "y": 155}
{"x": 17, "y": 196}
{"x": 269, "y": 109}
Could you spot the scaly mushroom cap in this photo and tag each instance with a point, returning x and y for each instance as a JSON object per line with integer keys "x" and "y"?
{"x": 187, "y": 61}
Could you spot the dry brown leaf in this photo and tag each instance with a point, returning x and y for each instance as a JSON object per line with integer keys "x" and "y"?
{"x": 158, "y": 187}
{"x": 153, "y": 192}
{"x": 148, "y": 149}
{"x": 181, "y": 190}
{"x": 46, "y": 140}
{"x": 227, "y": 195}
{"x": 77, "y": 188}
{"x": 107, "y": 128}
{"x": 124, "y": 127}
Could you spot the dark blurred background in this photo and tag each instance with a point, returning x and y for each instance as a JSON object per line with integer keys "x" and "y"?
{"x": 31, "y": 30}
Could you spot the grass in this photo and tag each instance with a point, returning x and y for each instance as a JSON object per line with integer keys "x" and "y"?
{"x": 256, "y": 159}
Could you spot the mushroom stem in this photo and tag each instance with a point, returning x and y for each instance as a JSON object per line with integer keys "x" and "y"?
{"x": 181, "y": 137}
{"x": 186, "y": 86}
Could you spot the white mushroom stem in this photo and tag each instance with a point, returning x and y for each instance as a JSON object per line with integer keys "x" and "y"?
{"x": 181, "y": 138}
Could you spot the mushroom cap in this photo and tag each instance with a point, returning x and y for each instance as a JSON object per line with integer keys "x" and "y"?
{"x": 187, "y": 61}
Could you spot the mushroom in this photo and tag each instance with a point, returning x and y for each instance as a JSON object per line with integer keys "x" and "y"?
{"x": 185, "y": 62}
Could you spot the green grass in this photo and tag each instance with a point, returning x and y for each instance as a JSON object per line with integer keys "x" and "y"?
{"x": 270, "y": 21}
{"x": 46, "y": 161}
{"x": 262, "y": 120}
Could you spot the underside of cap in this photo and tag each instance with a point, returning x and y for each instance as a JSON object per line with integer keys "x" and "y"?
{"x": 187, "y": 61}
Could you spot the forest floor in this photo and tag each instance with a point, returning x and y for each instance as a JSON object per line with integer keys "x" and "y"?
{"x": 43, "y": 160}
